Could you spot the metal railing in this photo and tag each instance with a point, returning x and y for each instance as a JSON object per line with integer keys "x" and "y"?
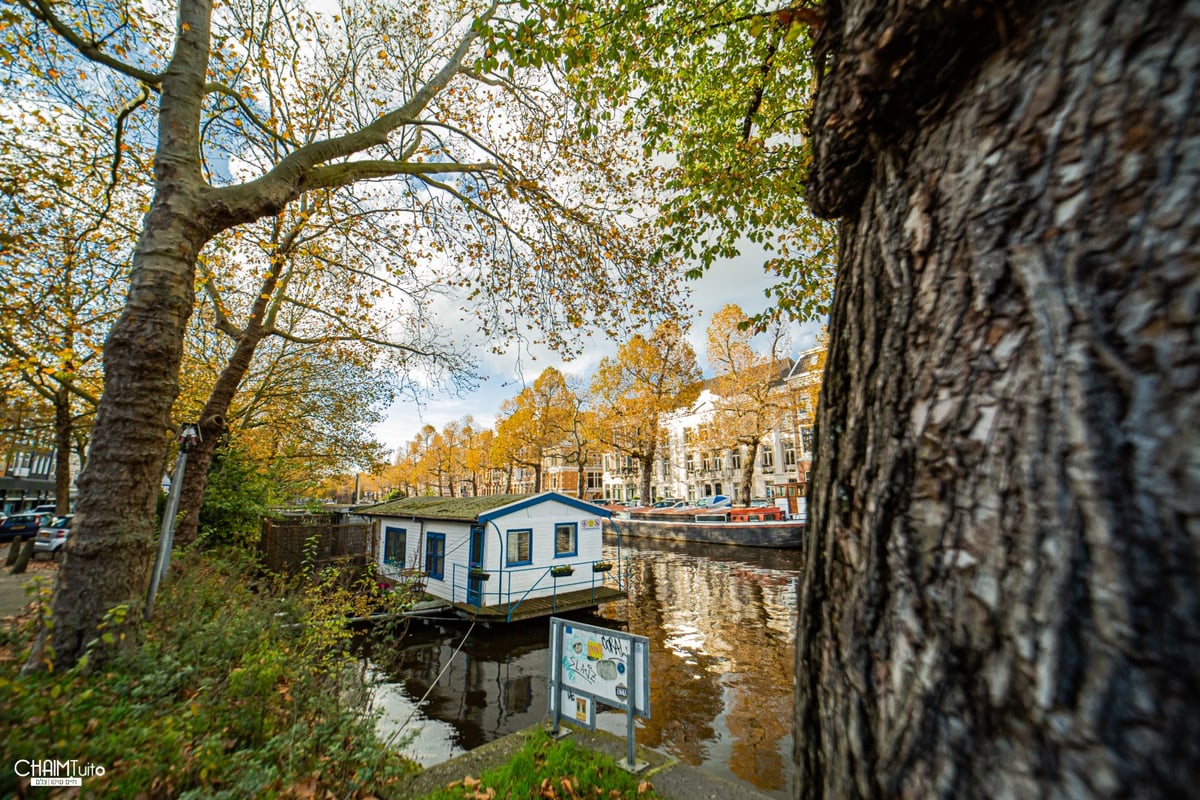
{"x": 497, "y": 587}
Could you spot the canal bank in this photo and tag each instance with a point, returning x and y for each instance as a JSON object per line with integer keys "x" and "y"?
{"x": 721, "y": 625}
{"x": 669, "y": 777}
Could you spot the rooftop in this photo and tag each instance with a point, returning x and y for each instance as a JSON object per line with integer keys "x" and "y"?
{"x": 456, "y": 508}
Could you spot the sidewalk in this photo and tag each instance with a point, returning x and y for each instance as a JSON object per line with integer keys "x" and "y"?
{"x": 670, "y": 779}
{"x": 13, "y": 598}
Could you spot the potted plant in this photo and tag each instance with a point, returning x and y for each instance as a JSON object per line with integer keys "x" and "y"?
{"x": 562, "y": 571}
{"x": 602, "y": 566}
{"x": 479, "y": 574}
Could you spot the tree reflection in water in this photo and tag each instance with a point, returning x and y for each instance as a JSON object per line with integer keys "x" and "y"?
{"x": 721, "y": 623}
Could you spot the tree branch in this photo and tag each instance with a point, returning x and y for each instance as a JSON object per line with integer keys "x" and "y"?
{"x": 339, "y": 175}
{"x": 89, "y": 49}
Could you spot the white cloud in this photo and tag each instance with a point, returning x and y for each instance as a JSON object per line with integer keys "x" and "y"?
{"x": 741, "y": 281}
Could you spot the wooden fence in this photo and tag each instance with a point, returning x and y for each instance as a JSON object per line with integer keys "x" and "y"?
{"x": 285, "y": 547}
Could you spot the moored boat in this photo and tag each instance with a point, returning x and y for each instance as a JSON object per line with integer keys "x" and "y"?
{"x": 747, "y": 527}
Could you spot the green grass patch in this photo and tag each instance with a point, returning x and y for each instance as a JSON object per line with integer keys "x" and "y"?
{"x": 240, "y": 688}
{"x": 555, "y": 770}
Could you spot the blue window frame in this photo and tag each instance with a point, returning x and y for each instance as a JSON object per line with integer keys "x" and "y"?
{"x": 520, "y": 548}
{"x": 435, "y": 555}
{"x": 393, "y": 546}
{"x": 566, "y": 539}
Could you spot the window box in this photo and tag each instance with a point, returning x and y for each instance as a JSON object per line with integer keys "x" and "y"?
{"x": 480, "y": 575}
{"x": 562, "y": 572}
{"x": 602, "y": 566}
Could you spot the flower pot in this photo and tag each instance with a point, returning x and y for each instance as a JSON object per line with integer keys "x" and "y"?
{"x": 562, "y": 572}
{"x": 601, "y": 567}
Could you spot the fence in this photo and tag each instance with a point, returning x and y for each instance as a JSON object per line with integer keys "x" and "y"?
{"x": 286, "y": 547}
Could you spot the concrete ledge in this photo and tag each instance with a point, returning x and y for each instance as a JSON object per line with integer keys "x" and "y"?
{"x": 669, "y": 778}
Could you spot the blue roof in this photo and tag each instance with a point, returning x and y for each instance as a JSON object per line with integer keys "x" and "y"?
{"x": 537, "y": 499}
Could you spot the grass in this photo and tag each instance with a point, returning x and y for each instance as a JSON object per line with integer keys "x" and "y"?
{"x": 555, "y": 770}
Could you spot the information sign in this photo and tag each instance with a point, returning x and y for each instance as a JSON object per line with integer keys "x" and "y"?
{"x": 589, "y": 665}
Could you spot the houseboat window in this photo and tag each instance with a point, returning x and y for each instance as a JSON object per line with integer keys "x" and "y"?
{"x": 520, "y": 548}
{"x": 566, "y": 536}
{"x": 393, "y": 546}
{"x": 435, "y": 555}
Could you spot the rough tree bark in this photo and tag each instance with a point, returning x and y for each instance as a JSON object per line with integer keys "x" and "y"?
{"x": 1002, "y": 596}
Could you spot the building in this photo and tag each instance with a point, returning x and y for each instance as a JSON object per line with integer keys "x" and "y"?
{"x": 688, "y": 470}
{"x": 27, "y": 480}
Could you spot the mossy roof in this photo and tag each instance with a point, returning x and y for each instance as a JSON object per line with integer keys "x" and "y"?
{"x": 459, "y": 508}
{"x": 475, "y": 509}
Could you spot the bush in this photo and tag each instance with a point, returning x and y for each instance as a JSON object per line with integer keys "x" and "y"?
{"x": 238, "y": 495}
{"x": 232, "y": 693}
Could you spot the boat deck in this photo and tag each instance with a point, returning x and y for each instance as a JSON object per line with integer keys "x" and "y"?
{"x": 542, "y": 606}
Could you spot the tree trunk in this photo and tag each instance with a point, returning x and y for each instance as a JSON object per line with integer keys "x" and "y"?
{"x": 110, "y": 548}
{"x": 63, "y": 432}
{"x": 212, "y": 425}
{"x": 747, "y": 488}
{"x": 1002, "y": 596}
{"x": 111, "y": 544}
{"x": 646, "y": 462}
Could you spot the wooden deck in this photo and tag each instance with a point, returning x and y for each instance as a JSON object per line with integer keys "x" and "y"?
{"x": 542, "y": 606}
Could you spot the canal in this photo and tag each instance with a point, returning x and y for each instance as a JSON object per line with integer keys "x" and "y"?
{"x": 721, "y": 623}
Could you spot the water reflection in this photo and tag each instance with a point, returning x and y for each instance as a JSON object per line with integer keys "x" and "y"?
{"x": 721, "y": 624}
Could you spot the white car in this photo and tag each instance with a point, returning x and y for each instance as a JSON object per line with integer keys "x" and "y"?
{"x": 52, "y": 536}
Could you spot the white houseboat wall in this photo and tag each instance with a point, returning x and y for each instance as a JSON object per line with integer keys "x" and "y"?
{"x": 492, "y": 551}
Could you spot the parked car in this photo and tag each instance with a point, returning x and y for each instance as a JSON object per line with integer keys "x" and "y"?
{"x": 716, "y": 501}
{"x": 52, "y": 536}
{"x": 22, "y": 526}
{"x": 669, "y": 503}
{"x": 47, "y": 509}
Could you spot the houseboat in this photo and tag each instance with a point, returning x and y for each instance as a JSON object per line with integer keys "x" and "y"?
{"x": 499, "y": 558}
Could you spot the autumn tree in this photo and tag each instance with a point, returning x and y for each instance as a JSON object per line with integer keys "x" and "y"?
{"x": 648, "y": 378}
{"x": 67, "y": 236}
{"x": 452, "y": 103}
{"x": 750, "y": 401}
{"x": 536, "y": 422}
{"x": 318, "y": 278}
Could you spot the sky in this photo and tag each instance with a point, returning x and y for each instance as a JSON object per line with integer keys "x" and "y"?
{"x": 741, "y": 281}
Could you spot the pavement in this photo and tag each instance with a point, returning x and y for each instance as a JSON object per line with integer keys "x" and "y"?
{"x": 14, "y": 599}
{"x": 670, "y": 778}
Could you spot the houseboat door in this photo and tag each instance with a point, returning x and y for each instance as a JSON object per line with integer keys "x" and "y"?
{"x": 475, "y": 562}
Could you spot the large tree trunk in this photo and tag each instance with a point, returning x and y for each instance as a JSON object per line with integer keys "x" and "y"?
{"x": 747, "y": 487}
{"x": 109, "y": 552}
{"x": 1002, "y": 597}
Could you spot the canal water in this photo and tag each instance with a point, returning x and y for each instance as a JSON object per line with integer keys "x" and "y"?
{"x": 721, "y": 623}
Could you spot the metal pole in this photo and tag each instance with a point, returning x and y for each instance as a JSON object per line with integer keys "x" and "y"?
{"x": 633, "y": 683}
{"x": 189, "y": 436}
{"x": 166, "y": 534}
